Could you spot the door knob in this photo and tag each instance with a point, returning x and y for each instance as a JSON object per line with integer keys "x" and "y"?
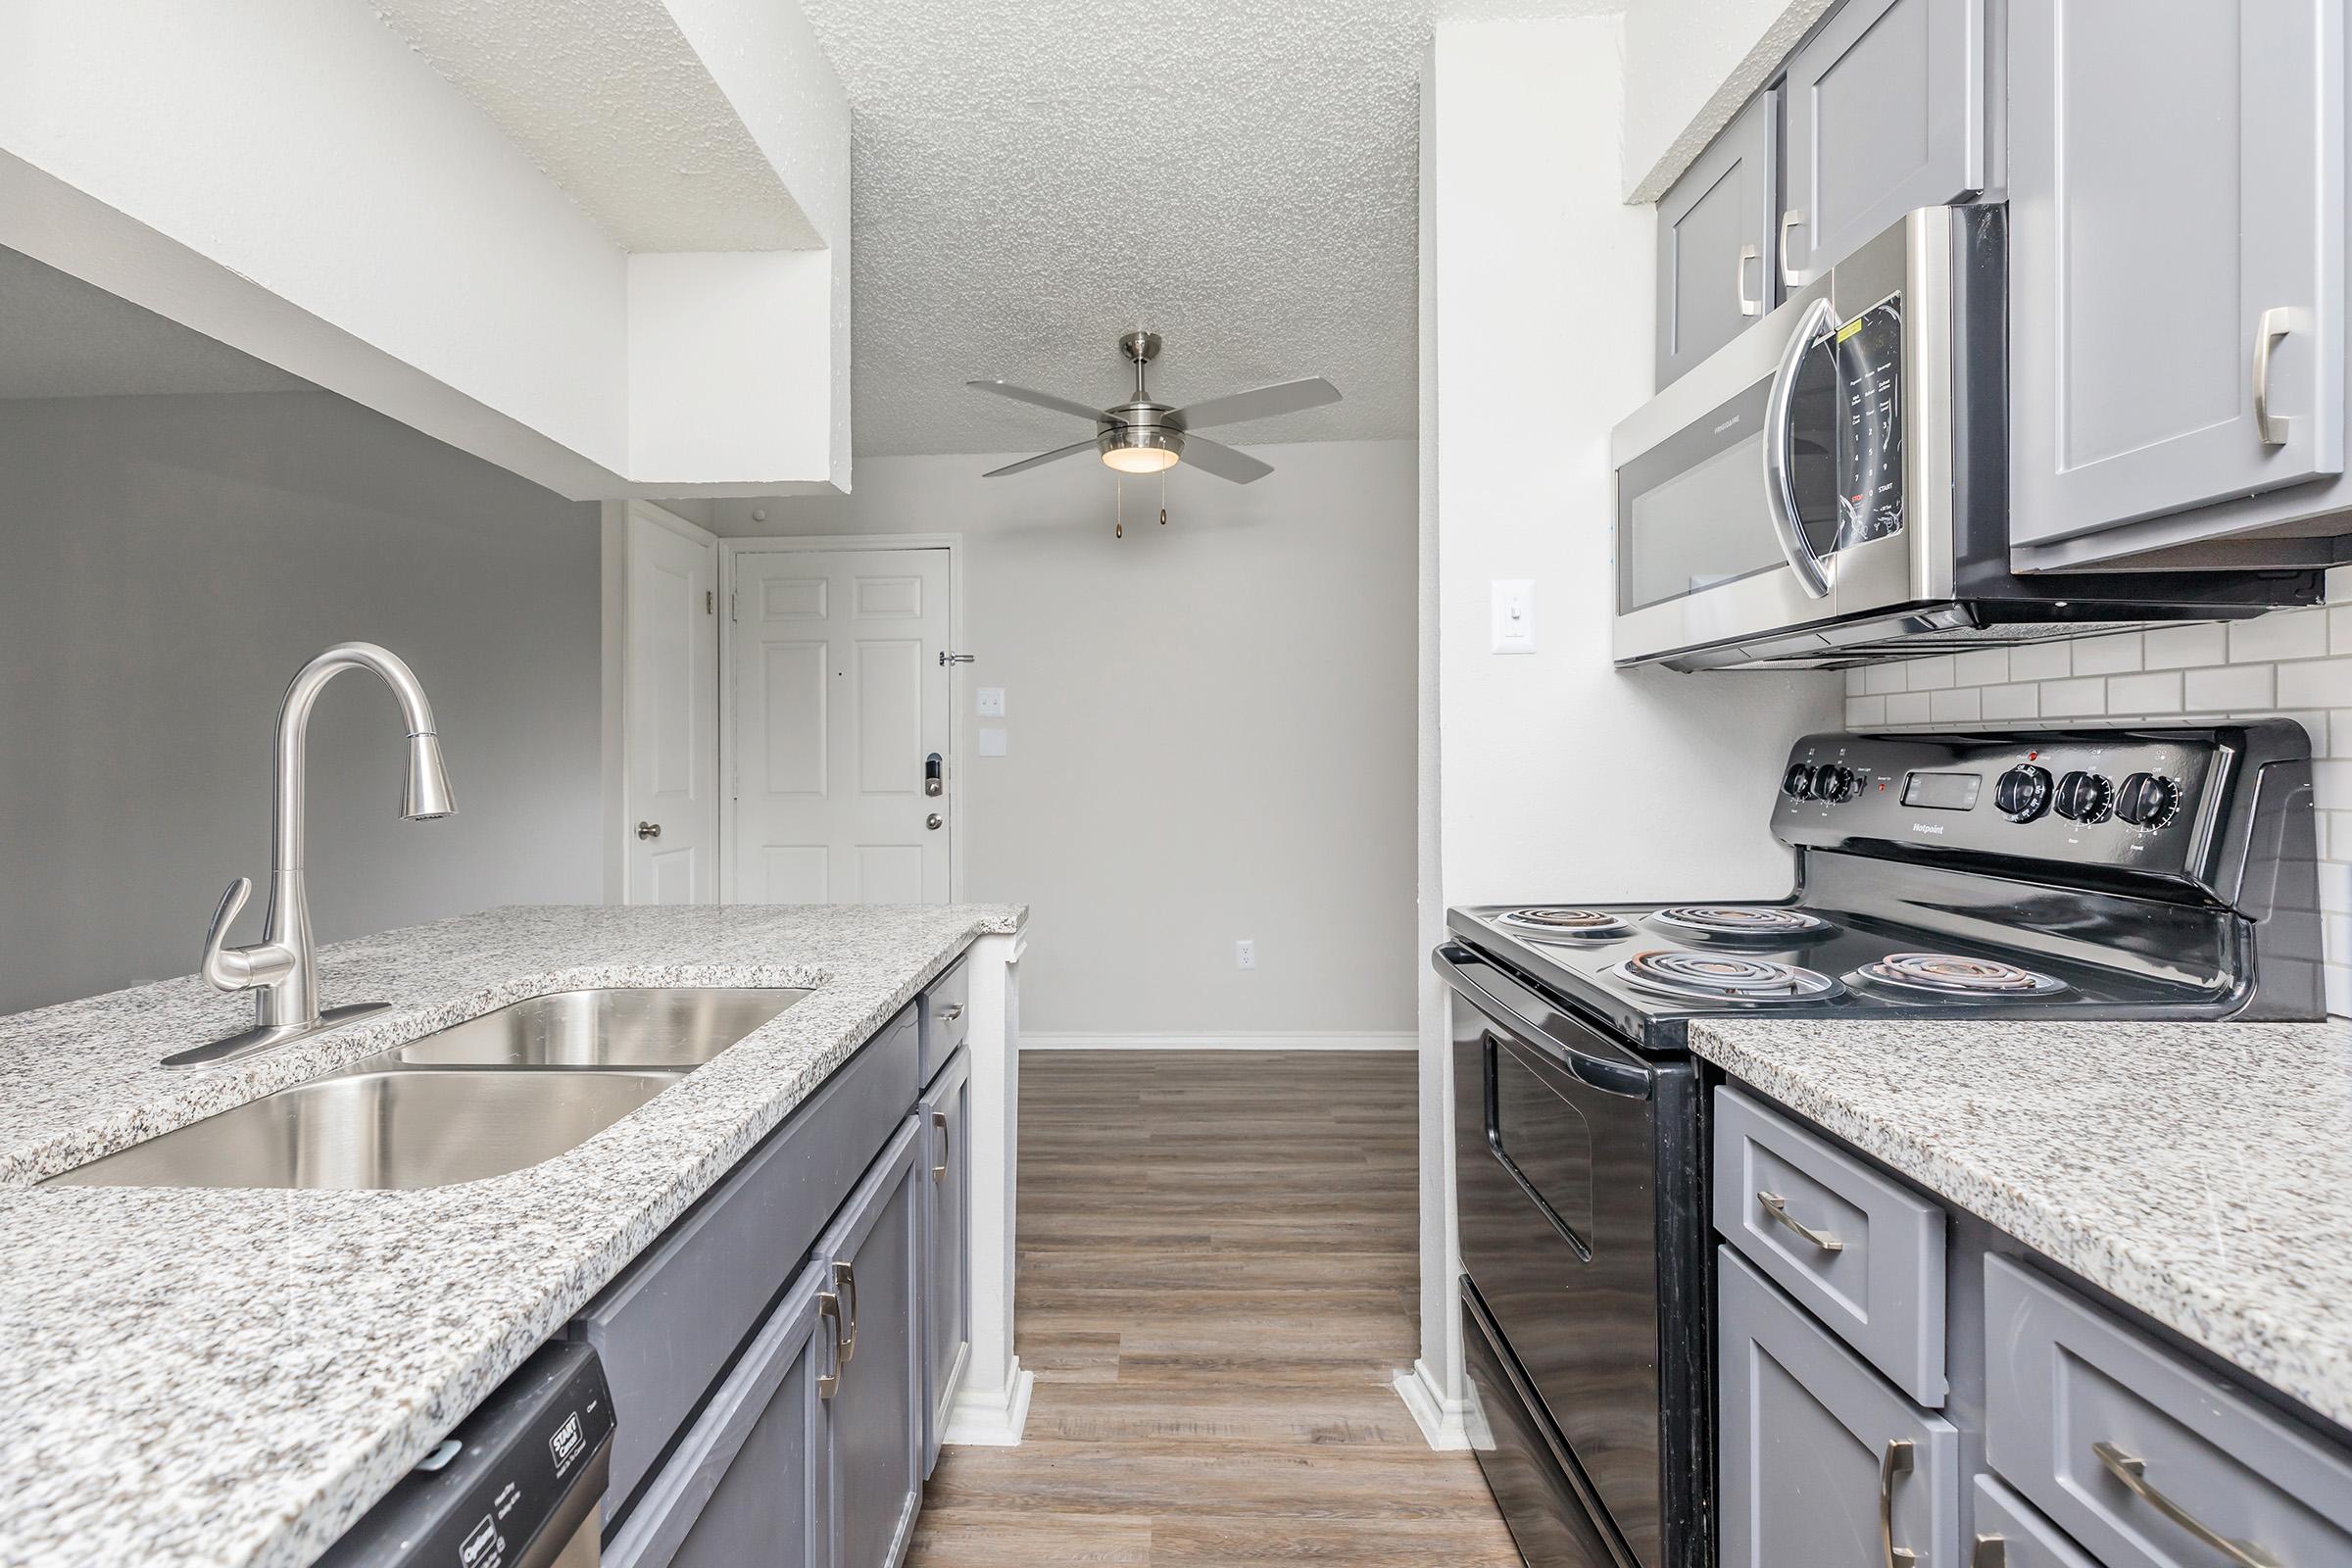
{"x": 935, "y": 821}
{"x": 648, "y": 830}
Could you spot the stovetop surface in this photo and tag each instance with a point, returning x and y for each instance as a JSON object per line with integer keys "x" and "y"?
{"x": 1585, "y": 971}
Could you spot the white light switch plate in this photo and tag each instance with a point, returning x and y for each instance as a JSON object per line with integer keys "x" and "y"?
{"x": 1514, "y": 615}
{"x": 989, "y": 702}
{"x": 991, "y": 743}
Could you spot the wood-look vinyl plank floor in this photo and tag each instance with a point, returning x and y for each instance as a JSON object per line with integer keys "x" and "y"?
{"x": 1217, "y": 1255}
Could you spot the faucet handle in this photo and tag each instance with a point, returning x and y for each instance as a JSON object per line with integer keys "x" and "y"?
{"x": 228, "y": 968}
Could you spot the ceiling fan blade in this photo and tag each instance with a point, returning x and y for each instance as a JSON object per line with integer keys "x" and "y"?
{"x": 1043, "y": 457}
{"x": 1258, "y": 403}
{"x": 1215, "y": 457}
{"x": 1044, "y": 400}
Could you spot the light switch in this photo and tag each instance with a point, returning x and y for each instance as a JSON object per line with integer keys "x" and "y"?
{"x": 1514, "y": 630}
{"x": 990, "y": 702}
{"x": 991, "y": 743}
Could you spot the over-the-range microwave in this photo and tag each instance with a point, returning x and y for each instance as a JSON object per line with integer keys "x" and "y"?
{"x": 1831, "y": 487}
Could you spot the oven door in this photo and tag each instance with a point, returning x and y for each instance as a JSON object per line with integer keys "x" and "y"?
{"x": 1555, "y": 1149}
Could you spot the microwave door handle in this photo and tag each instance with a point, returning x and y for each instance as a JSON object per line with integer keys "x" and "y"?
{"x": 1780, "y": 441}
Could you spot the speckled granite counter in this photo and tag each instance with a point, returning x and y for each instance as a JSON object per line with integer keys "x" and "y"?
{"x": 227, "y": 1377}
{"x": 2201, "y": 1173}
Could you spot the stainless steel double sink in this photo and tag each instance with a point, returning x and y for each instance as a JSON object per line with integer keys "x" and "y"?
{"x": 492, "y": 1095}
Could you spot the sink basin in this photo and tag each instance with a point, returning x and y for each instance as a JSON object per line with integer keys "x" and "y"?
{"x": 383, "y": 1126}
{"x": 678, "y": 1027}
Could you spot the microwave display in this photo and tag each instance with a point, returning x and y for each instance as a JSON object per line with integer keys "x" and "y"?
{"x": 1847, "y": 432}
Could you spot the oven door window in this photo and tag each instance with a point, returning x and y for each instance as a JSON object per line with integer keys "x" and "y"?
{"x": 1541, "y": 1139}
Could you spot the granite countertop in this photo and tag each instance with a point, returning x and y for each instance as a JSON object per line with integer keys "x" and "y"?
{"x": 2200, "y": 1172}
{"x": 231, "y": 1377}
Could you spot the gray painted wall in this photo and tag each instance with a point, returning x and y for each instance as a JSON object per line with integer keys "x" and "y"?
{"x": 165, "y": 565}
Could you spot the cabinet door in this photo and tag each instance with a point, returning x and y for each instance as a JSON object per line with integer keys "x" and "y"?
{"x": 1886, "y": 113}
{"x": 947, "y": 1245}
{"x": 1814, "y": 1444}
{"x": 875, "y": 1415}
{"x": 1715, "y": 242}
{"x": 2177, "y": 221}
{"x": 748, "y": 1482}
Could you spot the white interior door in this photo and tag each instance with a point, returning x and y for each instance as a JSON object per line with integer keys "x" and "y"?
{"x": 839, "y": 701}
{"x": 671, "y": 692}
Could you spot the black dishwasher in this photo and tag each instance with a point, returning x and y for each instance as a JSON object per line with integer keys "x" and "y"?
{"x": 515, "y": 1486}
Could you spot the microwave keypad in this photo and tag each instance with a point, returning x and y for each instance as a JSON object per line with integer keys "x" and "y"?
{"x": 1870, "y": 438}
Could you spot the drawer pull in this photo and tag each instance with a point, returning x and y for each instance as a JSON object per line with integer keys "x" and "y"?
{"x": 844, "y": 1280}
{"x": 2132, "y": 1471}
{"x": 939, "y": 1119}
{"x": 951, "y": 1013}
{"x": 828, "y": 1310}
{"x": 1992, "y": 1552}
{"x": 1777, "y": 1208}
{"x": 1895, "y": 1461}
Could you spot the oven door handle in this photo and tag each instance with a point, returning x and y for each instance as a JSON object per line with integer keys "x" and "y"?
{"x": 1511, "y": 1005}
{"x": 1780, "y": 442}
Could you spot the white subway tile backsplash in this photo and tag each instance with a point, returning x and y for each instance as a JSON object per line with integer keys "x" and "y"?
{"x": 1930, "y": 675}
{"x": 2316, "y": 683}
{"x": 2156, "y": 692}
{"x": 2224, "y": 688}
{"x": 1854, "y": 679}
{"x": 2012, "y": 702}
{"x": 1981, "y": 666}
{"x": 1964, "y": 706}
{"x": 2281, "y": 634}
{"x": 1908, "y": 707}
{"x": 2038, "y": 662}
{"x": 2177, "y": 647}
{"x": 2073, "y": 699}
{"x": 1865, "y": 712}
{"x": 2331, "y": 784}
{"x": 2339, "y": 629}
{"x": 1880, "y": 679}
{"x": 2107, "y": 655}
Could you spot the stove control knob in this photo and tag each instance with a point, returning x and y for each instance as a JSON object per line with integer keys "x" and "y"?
{"x": 1798, "y": 785}
{"x": 2022, "y": 793}
{"x": 2148, "y": 800}
{"x": 2086, "y": 797}
{"x": 1835, "y": 782}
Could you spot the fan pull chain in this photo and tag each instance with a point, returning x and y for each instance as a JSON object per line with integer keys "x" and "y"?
{"x": 1119, "y": 510}
{"x": 1164, "y": 498}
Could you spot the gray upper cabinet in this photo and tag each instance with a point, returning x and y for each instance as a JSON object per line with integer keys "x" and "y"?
{"x": 1822, "y": 1462}
{"x": 1885, "y": 110}
{"x": 2177, "y": 239}
{"x": 1715, "y": 242}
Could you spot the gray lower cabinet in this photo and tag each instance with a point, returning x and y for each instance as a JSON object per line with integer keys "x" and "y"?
{"x": 749, "y": 1483}
{"x": 874, "y": 1411}
{"x": 2177, "y": 256}
{"x": 2008, "y": 1533}
{"x": 1715, "y": 242}
{"x": 1885, "y": 108}
{"x": 946, "y": 1184}
{"x": 1822, "y": 1462}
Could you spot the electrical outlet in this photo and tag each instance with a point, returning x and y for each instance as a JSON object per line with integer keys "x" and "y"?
{"x": 1245, "y": 954}
{"x": 990, "y": 703}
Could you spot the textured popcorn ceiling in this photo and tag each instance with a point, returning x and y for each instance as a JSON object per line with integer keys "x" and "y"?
{"x": 608, "y": 97}
{"x": 1031, "y": 178}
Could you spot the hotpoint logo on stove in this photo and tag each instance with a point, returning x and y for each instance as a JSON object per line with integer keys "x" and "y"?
{"x": 1926, "y": 827}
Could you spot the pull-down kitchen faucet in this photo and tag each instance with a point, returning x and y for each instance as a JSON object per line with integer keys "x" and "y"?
{"x": 281, "y": 969}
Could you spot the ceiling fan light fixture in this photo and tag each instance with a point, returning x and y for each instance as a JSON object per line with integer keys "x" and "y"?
{"x": 1141, "y": 450}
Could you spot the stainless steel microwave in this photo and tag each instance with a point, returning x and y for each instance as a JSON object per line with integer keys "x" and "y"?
{"x": 1831, "y": 487}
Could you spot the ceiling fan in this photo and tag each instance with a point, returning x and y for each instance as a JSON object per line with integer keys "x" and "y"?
{"x": 1141, "y": 436}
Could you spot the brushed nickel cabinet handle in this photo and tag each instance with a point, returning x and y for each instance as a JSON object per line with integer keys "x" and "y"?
{"x": 828, "y": 1310}
{"x": 2275, "y": 324}
{"x": 844, "y": 1280}
{"x": 1790, "y": 277}
{"x": 1777, "y": 1208}
{"x": 939, "y": 1119}
{"x": 2132, "y": 1471}
{"x": 1992, "y": 1552}
{"x": 1895, "y": 1461}
{"x": 1749, "y": 304}
{"x": 951, "y": 1013}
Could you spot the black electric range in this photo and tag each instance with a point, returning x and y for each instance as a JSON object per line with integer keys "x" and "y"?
{"x": 2143, "y": 873}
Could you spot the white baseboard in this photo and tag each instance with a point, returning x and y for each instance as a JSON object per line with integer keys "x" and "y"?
{"x": 992, "y": 1418}
{"x": 1295, "y": 1040}
{"x": 1442, "y": 1420}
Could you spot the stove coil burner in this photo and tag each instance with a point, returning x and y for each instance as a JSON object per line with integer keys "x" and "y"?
{"x": 1739, "y": 920}
{"x": 1565, "y": 925}
{"x": 1722, "y": 977}
{"x": 1949, "y": 974}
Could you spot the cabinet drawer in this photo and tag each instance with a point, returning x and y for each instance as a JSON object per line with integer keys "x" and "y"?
{"x": 946, "y": 1006}
{"x": 668, "y": 1326}
{"x": 2011, "y": 1534}
{"x": 1860, "y": 1250}
{"x": 1816, "y": 1450}
{"x": 2094, "y": 1424}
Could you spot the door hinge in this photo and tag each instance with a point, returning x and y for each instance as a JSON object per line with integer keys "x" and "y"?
{"x": 709, "y": 602}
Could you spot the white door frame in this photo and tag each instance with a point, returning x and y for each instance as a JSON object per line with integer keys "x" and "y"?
{"x": 616, "y": 815}
{"x": 959, "y": 818}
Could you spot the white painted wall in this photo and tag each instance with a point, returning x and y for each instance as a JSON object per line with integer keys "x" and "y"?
{"x": 170, "y": 562}
{"x": 1559, "y": 778}
{"x": 1689, "y": 67}
{"x": 1210, "y": 731}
